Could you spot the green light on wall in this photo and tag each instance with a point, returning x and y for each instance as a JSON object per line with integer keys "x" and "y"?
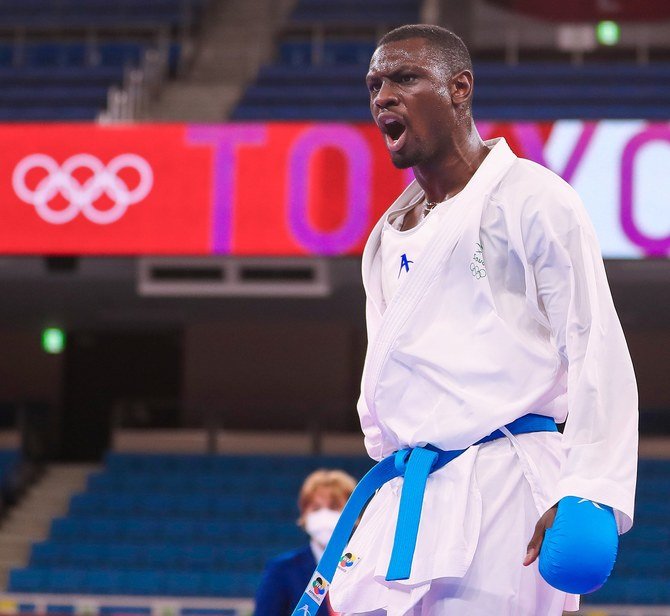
{"x": 608, "y": 32}
{"x": 53, "y": 340}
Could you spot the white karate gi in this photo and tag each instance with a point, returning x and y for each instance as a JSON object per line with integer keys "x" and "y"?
{"x": 464, "y": 348}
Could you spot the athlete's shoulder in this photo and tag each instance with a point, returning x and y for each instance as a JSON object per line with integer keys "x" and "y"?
{"x": 529, "y": 189}
{"x": 528, "y": 178}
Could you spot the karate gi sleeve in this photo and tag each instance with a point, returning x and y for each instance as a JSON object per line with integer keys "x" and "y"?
{"x": 601, "y": 431}
{"x": 372, "y": 436}
{"x": 371, "y": 432}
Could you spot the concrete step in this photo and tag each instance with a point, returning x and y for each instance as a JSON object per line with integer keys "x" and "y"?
{"x": 237, "y": 39}
{"x": 30, "y": 520}
{"x": 11, "y": 555}
{"x": 215, "y": 102}
{"x": 29, "y": 529}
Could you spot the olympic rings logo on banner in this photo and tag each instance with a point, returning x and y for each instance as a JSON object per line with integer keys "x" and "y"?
{"x": 81, "y": 197}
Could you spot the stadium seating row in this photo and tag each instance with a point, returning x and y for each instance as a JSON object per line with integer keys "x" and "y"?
{"x": 220, "y": 555}
{"x": 150, "y": 14}
{"x": 489, "y": 72}
{"x": 357, "y": 112}
{"x": 634, "y": 590}
{"x": 177, "y": 537}
{"x": 44, "y": 112}
{"x": 232, "y": 506}
{"x": 191, "y": 463}
{"x": 78, "y": 54}
{"x": 9, "y": 458}
{"x": 306, "y": 53}
{"x": 185, "y": 483}
{"x": 53, "y": 82}
{"x": 172, "y": 547}
{"x": 336, "y": 91}
{"x": 103, "y": 37}
{"x": 204, "y": 557}
{"x": 639, "y": 562}
{"x": 487, "y": 94}
{"x": 10, "y": 461}
{"x": 133, "y": 582}
{"x": 178, "y": 531}
{"x": 59, "y": 76}
{"x": 646, "y": 535}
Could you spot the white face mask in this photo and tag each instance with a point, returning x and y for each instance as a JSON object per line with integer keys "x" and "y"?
{"x": 320, "y": 525}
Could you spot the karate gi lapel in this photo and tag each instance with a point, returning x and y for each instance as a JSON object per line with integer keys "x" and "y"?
{"x": 371, "y": 263}
{"x": 465, "y": 211}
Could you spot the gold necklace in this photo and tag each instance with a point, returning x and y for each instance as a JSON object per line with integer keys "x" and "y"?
{"x": 428, "y": 206}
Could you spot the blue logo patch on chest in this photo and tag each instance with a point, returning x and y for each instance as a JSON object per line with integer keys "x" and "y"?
{"x": 404, "y": 264}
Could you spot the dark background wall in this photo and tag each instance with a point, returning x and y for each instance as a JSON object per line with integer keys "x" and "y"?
{"x": 27, "y": 373}
{"x": 261, "y": 374}
{"x": 238, "y": 362}
{"x": 287, "y": 374}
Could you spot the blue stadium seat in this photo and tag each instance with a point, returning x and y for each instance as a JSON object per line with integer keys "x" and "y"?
{"x": 184, "y": 584}
{"x": 303, "y": 53}
{"x": 650, "y": 561}
{"x": 297, "y": 89}
{"x": 60, "y": 76}
{"x": 6, "y": 54}
{"x": 648, "y": 535}
{"x": 120, "y": 54}
{"x": 65, "y": 580}
{"x": 651, "y": 467}
{"x": 28, "y": 580}
{"x": 121, "y": 556}
{"x": 172, "y": 534}
{"x": 160, "y": 555}
{"x": 45, "y": 554}
{"x": 103, "y": 582}
{"x": 150, "y": 14}
{"x": 211, "y": 537}
{"x": 66, "y": 80}
{"x": 230, "y": 584}
{"x": 143, "y": 582}
{"x": 646, "y": 590}
{"x": 52, "y": 54}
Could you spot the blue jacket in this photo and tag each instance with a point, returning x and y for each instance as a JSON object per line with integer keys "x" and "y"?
{"x": 283, "y": 582}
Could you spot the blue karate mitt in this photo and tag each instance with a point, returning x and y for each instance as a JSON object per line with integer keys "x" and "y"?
{"x": 579, "y": 550}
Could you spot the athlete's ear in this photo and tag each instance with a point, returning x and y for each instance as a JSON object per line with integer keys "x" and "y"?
{"x": 461, "y": 87}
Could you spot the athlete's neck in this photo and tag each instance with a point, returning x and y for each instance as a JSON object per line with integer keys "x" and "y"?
{"x": 447, "y": 175}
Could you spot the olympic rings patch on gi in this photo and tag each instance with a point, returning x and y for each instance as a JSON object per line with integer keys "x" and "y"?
{"x": 477, "y": 272}
{"x": 82, "y": 197}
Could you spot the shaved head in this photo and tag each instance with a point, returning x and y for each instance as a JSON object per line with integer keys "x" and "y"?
{"x": 451, "y": 47}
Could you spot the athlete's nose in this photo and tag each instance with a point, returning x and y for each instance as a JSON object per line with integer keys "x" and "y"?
{"x": 386, "y": 96}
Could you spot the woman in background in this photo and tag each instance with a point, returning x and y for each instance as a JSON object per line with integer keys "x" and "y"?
{"x": 322, "y": 497}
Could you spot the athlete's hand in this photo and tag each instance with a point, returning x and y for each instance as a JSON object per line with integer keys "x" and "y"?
{"x": 545, "y": 522}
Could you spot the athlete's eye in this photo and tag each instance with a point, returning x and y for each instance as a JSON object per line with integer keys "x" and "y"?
{"x": 374, "y": 86}
{"x": 407, "y": 78}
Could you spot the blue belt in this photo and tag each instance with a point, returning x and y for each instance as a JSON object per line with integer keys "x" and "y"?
{"x": 414, "y": 464}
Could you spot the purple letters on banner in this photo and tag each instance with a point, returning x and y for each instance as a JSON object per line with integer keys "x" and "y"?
{"x": 652, "y": 246}
{"x": 355, "y": 149}
{"x": 533, "y": 147}
{"x": 225, "y": 139}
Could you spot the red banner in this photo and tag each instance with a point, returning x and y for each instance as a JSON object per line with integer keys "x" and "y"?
{"x": 275, "y": 189}
{"x": 285, "y": 188}
{"x": 83, "y": 188}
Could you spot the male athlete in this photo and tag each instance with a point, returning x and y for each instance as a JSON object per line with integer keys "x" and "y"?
{"x": 489, "y": 321}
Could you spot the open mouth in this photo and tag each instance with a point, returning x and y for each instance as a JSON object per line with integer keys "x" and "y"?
{"x": 394, "y": 133}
